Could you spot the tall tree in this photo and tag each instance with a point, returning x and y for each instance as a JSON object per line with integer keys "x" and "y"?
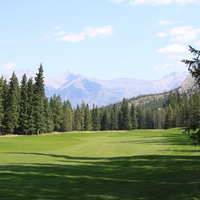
{"x": 114, "y": 118}
{"x": 125, "y": 111}
{"x": 194, "y": 68}
{"x": 31, "y": 105}
{"x": 13, "y": 105}
{"x": 105, "y": 120}
{"x": 1, "y": 105}
{"x": 96, "y": 126}
{"x": 77, "y": 119}
{"x": 87, "y": 119}
{"x": 23, "y": 119}
{"x": 57, "y": 109}
{"x": 133, "y": 114}
{"x": 39, "y": 97}
{"x": 67, "y": 117}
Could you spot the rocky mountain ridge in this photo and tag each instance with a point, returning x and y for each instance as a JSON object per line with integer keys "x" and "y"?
{"x": 78, "y": 88}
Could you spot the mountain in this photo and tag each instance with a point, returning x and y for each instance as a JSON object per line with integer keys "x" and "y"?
{"x": 78, "y": 88}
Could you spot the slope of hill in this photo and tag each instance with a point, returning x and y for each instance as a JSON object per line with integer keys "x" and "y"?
{"x": 77, "y": 88}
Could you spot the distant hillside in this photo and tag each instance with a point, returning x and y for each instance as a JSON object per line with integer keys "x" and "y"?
{"x": 188, "y": 87}
{"x": 78, "y": 88}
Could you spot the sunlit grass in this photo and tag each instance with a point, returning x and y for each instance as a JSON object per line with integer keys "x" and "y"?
{"x": 140, "y": 164}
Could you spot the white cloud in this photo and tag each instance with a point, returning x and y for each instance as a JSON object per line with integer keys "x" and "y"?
{"x": 165, "y": 23}
{"x": 175, "y": 48}
{"x": 72, "y": 37}
{"x": 89, "y": 31}
{"x": 9, "y": 66}
{"x": 164, "y": 67}
{"x": 94, "y": 31}
{"x": 57, "y": 28}
{"x": 184, "y": 33}
{"x": 163, "y": 2}
{"x": 61, "y": 33}
{"x": 161, "y": 34}
{"x": 117, "y": 1}
{"x": 172, "y": 57}
{"x": 197, "y": 43}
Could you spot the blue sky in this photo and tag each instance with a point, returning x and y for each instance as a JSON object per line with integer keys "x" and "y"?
{"x": 104, "y": 39}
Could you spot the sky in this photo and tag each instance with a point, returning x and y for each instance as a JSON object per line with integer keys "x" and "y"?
{"x": 104, "y": 39}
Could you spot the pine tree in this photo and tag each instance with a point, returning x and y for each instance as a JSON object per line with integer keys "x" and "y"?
{"x": 49, "y": 126}
{"x": 87, "y": 119}
{"x": 105, "y": 119}
{"x": 133, "y": 114}
{"x": 57, "y": 109}
{"x": 67, "y": 117}
{"x": 194, "y": 68}
{"x": 77, "y": 119}
{"x": 125, "y": 111}
{"x": 23, "y": 119}
{"x": 96, "y": 126}
{"x": 114, "y": 118}
{"x": 169, "y": 120}
{"x": 39, "y": 97}
{"x": 13, "y": 105}
{"x": 31, "y": 105}
{"x": 1, "y": 105}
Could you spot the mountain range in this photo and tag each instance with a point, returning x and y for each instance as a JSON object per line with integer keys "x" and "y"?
{"x": 78, "y": 88}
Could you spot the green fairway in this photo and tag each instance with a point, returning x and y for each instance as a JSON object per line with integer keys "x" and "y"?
{"x": 135, "y": 165}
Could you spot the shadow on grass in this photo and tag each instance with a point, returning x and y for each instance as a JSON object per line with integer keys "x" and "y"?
{"x": 152, "y": 177}
{"x": 160, "y": 140}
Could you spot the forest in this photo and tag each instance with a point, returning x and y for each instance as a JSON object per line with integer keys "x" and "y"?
{"x": 25, "y": 110}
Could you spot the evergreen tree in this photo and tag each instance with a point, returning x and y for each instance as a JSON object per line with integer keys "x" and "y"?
{"x": 13, "y": 105}
{"x": 114, "y": 118}
{"x": 57, "y": 109}
{"x": 23, "y": 118}
{"x": 77, "y": 119}
{"x": 1, "y": 105}
{"x": 49, "y": 126}
{"x": 96, "y": 126}
{"x": 194, "y": 68}
{"x": 87, "y": 119}
{"x": 169, "y": 121}
{"x": 31, "y": 104}
{"x": 67, "y": 117}
{"x": 125, "y": 111}
{"x": 39, "y": 98}
{"x": 105, "y": 119}
{"x": 133, "y": 114}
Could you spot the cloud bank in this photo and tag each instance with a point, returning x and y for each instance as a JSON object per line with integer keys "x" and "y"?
{"x": 9, "y": 66}
{"x": 88, "y": 32}
{"x": 158, "y": 2}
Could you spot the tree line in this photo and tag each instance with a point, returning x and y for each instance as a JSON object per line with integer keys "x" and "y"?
{"x": 24, "y": 109}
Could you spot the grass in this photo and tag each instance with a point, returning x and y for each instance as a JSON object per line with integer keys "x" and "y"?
{"x": 135, "y": 165}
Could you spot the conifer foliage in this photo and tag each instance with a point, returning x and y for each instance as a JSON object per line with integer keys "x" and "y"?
{"x": 194, "y": 68}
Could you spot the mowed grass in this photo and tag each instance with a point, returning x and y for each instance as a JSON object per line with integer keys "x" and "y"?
{"x": 135, "y": 165}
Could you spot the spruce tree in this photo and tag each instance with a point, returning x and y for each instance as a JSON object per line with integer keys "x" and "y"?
{"x": 125, "y": 111}
{"x": 133, "y": 114}
{"x": 57, "y": 109}
{"x": 39, "y": 98}
{"x": 23, "y": 119}
{"x": 13, "y": 105}
{"x": 194, "y": 68}
{"x": 77, "y": 119}
{"x": 114, "y": 118}
{"x": 67, "y": 117}
{"x": 49, "y": 126}
{"x": 87, "y": 119}
{"x": 96, "y": 126}
{"x": 1, "y": 105}
{"x": 31, "y": 105}
{"x": 105, "y": 120}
